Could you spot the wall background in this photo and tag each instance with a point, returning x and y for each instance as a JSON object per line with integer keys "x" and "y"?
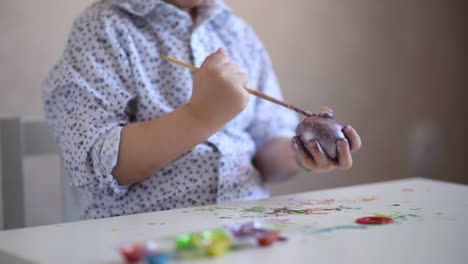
{"x": 395, "y": 70}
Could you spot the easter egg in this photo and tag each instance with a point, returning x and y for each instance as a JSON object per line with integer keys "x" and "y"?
{"x": 323, "y": 128}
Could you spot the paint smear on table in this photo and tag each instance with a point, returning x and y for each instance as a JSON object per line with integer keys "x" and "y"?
{"x": 213, "y": 209}
{"x": 367, "y": 199}
{"x": 335, "y": 228}
{"x": 156, "y": 224}
{"x": 256, "y": 209}
{"x": 285, "y": 224}
{"x": 363, "y": 199}
{"x": 318, "y": 202}
{"x": 405, "y": 201}
{"x": 265, "y": 211}
{"x": 293, "y": 207}
{"x": 400, "y": 217}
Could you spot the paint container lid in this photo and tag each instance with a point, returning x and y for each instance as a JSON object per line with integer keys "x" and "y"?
{"x": 374, "y": 220}
{"x": 151, "y": 246}
{"x": 157, "y": 258}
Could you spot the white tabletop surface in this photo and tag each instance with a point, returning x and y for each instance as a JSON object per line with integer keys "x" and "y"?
{"x": 431, "y": 227}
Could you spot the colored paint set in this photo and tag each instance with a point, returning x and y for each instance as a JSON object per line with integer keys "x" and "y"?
{"x": 210, "y": 243}
{"x": 216, "y": 242}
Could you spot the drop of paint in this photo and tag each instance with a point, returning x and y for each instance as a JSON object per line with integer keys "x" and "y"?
{"x": 374, "y": 220}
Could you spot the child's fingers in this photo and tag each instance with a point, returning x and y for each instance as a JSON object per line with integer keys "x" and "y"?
{"x": 229, "y": 67}
{"x": 353, "y": 137}
{"x": 299, "y": 147}
{"x": 242, "y": 78}
{"x": 232, "y": 72}
{"x": 303, "y": 158}
{"x": 345, "y": 161}
{"x": 318, "y": 154}
{"x": 210, "y": 57}
{"x": 300, "y": 163}
{"x": 218, "y": 57}
{"x": 307, "y": 164}
{"x": 219, "y": 60}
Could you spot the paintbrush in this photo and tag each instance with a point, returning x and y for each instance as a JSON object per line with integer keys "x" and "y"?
{"x": 249, "y": 90}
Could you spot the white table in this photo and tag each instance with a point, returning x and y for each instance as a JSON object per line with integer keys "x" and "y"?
{"x": 431, "y": 227}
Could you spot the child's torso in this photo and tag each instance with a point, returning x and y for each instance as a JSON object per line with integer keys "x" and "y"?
{"x": 217, "y": 170}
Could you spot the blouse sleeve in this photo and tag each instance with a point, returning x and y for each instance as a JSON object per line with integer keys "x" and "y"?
{"x": 271, "y": 120}
{"x": 87, "y": 101}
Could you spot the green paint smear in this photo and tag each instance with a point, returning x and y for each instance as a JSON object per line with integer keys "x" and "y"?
{"x": 334, "y": 228}
{"x": 255, "y": 209}
{"x": 289, "y": 211}
{"x": 398, "y": 216}
{"x": 342, "y": 207}
{"x": 212, "y": 209}
{"x": 286, "y": 210}
{"x": 414, "y": 215}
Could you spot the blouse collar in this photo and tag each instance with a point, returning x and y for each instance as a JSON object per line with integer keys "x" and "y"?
{"x": 208, "y": 10}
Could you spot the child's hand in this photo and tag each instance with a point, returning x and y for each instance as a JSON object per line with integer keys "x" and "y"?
{"x": 218, "y": 91}
{"x": 311, "y": 156}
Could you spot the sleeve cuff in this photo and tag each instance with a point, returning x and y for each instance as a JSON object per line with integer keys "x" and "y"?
{"x": 104, "y": 155}
{"x": 285, "y": 132}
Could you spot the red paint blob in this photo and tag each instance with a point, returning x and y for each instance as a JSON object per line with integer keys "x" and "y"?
{"x": 374, "y": 220}
{"x": 132, "y": 253}
{"x": 268, "y": 239}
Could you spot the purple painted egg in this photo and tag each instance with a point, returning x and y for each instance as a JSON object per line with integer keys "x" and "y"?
{"x": 323, "y": 128}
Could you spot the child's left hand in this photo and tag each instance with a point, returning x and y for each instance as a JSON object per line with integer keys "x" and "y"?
{"x": 311, "y": 157}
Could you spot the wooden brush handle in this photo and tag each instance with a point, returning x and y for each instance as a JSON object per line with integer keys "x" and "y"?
{"x": 249, "y": 90}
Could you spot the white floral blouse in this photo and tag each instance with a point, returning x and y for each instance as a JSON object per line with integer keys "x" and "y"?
{"x": 111, "y": 74}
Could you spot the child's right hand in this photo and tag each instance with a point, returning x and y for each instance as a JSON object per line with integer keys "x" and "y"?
{"x": 218, "y": 91}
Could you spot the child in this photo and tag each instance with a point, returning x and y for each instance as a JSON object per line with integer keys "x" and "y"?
{"x": 140, "y": 134}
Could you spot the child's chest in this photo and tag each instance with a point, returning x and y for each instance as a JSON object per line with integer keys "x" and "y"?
{"x": 162, "y": 86}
